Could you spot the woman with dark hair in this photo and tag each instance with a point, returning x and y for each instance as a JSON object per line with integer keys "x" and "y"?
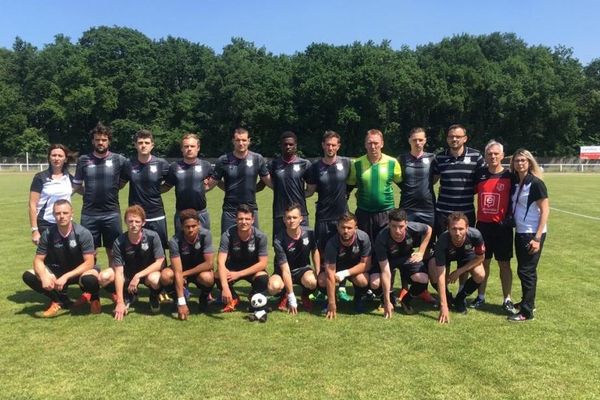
{"x": 530, "y": 210}
{"x": 48, "y": 186}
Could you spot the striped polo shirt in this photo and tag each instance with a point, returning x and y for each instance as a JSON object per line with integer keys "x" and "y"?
{"x": 457, "y": 180}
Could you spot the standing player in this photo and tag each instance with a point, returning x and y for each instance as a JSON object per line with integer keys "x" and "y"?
{"x": 455, "y": 168}
{"x": 493, "y": 185}
{"x": 102, "y": 174}
{"x": 464, "y": 245}
{"x": 242, "y": 255}
{"x": 138, "y": 257}
{"x": 287, "y": 176}
{"x": 145, "y": 174}
{"x": 192, "y": 255}
{"x": 293, "y": 248}
{"x": 327, "y": 177}
{"x": 373, "y": 175}
{"x": 64, "y": 256}
{"x": 239, "y": 171}
{"x": 416, "y": 188}
{"x": 189, "y": 176}
{"x": 347, "y": 255}
{"x": 394, "y": 248}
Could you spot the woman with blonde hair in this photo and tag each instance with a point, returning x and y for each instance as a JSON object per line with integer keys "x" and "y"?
{"x": 530, "y": 210}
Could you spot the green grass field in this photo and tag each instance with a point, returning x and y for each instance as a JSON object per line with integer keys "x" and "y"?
{"x": 223, "y": 356}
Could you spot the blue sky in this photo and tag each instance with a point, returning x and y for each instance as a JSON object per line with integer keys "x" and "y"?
{"x": 289, "y": 26}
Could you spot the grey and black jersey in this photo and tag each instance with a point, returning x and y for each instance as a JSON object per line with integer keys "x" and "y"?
{"x": 416, "y": 188}
{"x": 288, "y": 184}
{"x": 242, "y": 254}
{"x": 295, "y": 252}
{"x": 457, "y": 180}
{"x": 345, "y": 257}
{"x": 101, "y": 179}
{"x": 191, "y": 254}
{"x": 331, "y": 187}
{"x": 239, "y": 176}
{"x": 145, "y": 180}
{"x": 386, "y": 248}
{"x": 445, "y": 251}
{"x": 188, "y": 180}
{"x": 65, "y": 252}
{"x": 136, "y": 257}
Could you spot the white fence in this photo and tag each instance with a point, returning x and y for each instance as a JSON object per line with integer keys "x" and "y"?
{"x": 23, "y": 167}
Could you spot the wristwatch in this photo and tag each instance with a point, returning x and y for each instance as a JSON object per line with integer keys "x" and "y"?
{"x": 34, "y": 228}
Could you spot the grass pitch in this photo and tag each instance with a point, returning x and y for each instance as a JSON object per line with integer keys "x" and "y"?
{"x": 223, "y": 356}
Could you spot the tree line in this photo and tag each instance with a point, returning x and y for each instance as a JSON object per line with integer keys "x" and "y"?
{"x": 497, "y": 85}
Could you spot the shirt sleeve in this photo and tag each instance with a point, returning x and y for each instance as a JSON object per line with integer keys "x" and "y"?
{"x": 117, "y": 256}
{"x": 262, "y": 245}
{"x": 159, "y": 252}
{"x": 380, "y": 246}
{"x": 351, "y": 180}
{"x": 37, "y": 184}
{"x": 330, "y": 252}
{"x": 366, "y": 248}
{"x": 397, "y": 172}
{"x": 174, "y": 248}
{"x": 538, "y": 190}
{"x": 86, "y": 242}
{"x": 42, "y": 248}
{"x": 171, "y": 179}
{"x": 263, "y": 170}
{"x": 280, "y": 255}
{"x": 208, "y": 246}
{"x": 218, "y": 172}
{"x": 224, "y": 245}
{"x": 78, "y": 180}
{"x": 309, "y": 176}
{"x": 478, "y": 243}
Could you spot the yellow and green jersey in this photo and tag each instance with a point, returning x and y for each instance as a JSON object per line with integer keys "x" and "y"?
{"x": 374, "y": 182}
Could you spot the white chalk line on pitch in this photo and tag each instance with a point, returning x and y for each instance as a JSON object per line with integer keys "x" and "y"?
{"x": 572, "y": 213}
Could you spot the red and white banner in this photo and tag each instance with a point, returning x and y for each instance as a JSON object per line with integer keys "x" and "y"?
{"x": 589, "y": 153}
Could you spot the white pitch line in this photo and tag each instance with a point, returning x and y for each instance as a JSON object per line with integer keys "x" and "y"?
{"x": 572, "y": 213}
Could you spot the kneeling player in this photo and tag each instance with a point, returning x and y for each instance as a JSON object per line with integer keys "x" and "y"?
{"x": 137, "y": 257}
{"x": 192, "y": 255}
{"x": 464, "y": 245}
{"x": 347, "y": 255}
{"x": 293, "y": 248}
{"x": 242, "y": 255}
{"x": 394, "y": 249}
{"x": 64, "y": 256}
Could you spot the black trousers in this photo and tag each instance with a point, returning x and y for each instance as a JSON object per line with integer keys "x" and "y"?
{"x": 527, "y": 270}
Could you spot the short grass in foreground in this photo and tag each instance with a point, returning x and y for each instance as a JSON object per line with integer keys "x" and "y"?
{"x": 357, "y": 356}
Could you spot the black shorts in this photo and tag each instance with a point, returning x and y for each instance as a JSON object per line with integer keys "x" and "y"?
{"x": 498, "y": 240}
{"x": 105, "y": 228}
{"x": 423, "y": 217}
{"x": 296, "y": 273}
{"x": 324, "y": 230}
{"x": 160, "y": 227}
{"x": 203, "y": 216}
{"x": 460, "y": 262}
{"x": 372, "y": 222}
{"x": 59, "y": 271}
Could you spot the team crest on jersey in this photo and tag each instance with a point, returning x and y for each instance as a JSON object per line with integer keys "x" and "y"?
{"x": 153, "y": 169}
{"x": 72, "y": 243}
{"x": 500, "y": 187}
{"x": 394, "y": 248}
{"x": 109, "y": 163}
{"x": 145, "y": 246}
{"x": 251, "y": 246}
{"x": 305, "y": 241}
{"x": 296, "y": 167}
{"x": 425, "y": 160}
{"x": 197, "y": 245}
{"x": 467, "y": 160}
{"x": 249, "y": 163}
{"x": 340, "y": 167}
{"x": 468, "y": 246}
{"x": 355, "y": 249}
{"x": 198, "y": 168}
{"x": 451, "y": 252}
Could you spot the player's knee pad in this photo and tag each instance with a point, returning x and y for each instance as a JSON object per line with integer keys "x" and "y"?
{"x": 89, "y": 283}
{"x": 260, "y": 283}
